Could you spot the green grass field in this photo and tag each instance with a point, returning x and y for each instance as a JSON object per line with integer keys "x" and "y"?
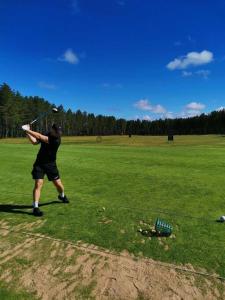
{"x": 8, "y": 294}
{"x": 136, "y": 180}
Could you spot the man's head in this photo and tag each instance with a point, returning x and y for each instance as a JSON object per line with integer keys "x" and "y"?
{"x": 56, "y": 130}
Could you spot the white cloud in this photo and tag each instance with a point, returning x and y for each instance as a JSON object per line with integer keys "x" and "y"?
{"x": 45, "y": 85}
{"x": 187, "y": 74}
{"x": 189, "y": 114}
{"x": 144, "y": 104}
{"x": 203, "y": 73}
{"x": 195, "y": 106}
{"x": 147, "y": 118}
{"x": 69, "y": 56}
{"x": 191, "y": 59}
{"x": 220, "y": 108}
{"x": 192, "y": 109}
{"x": 158, "y": 109}
{"x": 143, "y": 118}
{"x": 170, "y": 115}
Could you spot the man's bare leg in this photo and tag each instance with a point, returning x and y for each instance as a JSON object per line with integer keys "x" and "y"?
{"x": 37, "y": 192}
{"x": 60, "y": 188}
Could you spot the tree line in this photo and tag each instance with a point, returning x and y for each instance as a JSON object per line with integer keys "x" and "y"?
{"x": 16, "y": 110}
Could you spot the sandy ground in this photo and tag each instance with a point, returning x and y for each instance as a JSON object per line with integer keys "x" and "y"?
{"x": 54, "y": 269}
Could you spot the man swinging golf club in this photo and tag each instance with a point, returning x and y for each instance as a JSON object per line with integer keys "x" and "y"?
{"x": 45, "y": 163}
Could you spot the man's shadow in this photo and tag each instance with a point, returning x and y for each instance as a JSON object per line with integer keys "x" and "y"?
{"x": 21, "y": 209}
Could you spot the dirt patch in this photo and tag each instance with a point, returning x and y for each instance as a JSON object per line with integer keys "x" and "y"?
{"x": 55, "y": 269}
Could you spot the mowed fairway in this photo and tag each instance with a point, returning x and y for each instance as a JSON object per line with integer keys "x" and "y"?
{"x": 117, "y": 185}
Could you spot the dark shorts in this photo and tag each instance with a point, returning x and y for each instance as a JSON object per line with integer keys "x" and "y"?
{"x": 50, "y": 169}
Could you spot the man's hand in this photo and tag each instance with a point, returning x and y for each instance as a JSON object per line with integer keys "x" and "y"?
{"x": 26, "y": 127}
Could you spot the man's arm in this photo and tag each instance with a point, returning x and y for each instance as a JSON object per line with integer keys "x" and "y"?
{"x": 38, "y": 136}
{"x": 32, "y": 139}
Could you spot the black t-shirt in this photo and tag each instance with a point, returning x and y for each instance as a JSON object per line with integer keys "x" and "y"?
{"x": 47, "y": 152}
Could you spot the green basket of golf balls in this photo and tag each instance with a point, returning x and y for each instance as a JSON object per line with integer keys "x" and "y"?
{"x": 163, "y": 228}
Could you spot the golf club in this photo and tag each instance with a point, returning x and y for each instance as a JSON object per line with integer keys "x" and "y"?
{"x": 53, "y": 110}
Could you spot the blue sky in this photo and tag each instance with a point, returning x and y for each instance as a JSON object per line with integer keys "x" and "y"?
{"x": 129, "y": 58}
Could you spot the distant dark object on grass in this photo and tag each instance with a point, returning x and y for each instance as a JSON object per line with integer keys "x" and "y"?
{"x": 170, "y": 138}
{"x": 99, "y": 139}
{"x": 170, "y": 135}
{"x": 130, "y": 135}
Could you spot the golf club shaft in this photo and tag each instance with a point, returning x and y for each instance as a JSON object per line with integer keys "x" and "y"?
{"x": 40, "y": 117}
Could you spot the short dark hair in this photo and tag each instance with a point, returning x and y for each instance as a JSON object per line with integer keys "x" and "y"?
{"x": 56, "y": 130}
